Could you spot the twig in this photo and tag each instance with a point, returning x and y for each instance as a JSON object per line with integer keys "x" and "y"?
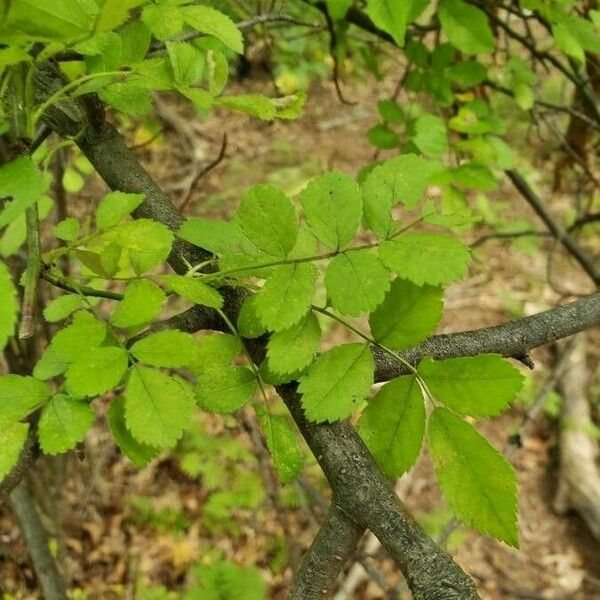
{"x": 23, "y": 505}
{"x": 538, "y": 206}
{"x": 82, "y": 290}
{"x": 187, "y": 195}
{"x": 32, "y": 273}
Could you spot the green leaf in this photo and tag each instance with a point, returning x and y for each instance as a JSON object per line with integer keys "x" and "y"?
{"x": 356, "y": 282}
{"x": 467, "y": 74}
{"x": 249, "y": 325}
{"x": 40, "y": 20}
{"x": 165, "y": 349}
{"x": 193, "y": 289}
{"x": 391, "y": 16}
{"x": 568, "y": 42}
{"x": 393, "y": 425}
{"x": 224, "y": 389}
{"x": 214, "y": 235}
{"x": 139, "y": 454}
{"x": 268, "y": 219}
{"x": 431, "y": 258}
{"x": 337, "y": 382}
{"x": 163, "y": 20}
{"x": 63, "y": 424}
{"x": 67, "y": 229}
{"x": 286, "y": 296}
{"x": 9, "y": 308}
{"x": 282, "y": 443}
{"x": 135, "y": 42}
{"x": 21, "y": 180}
{"x": 338, "y": 8}
{"x": 218, "y": 71}
{"x": 20, "y": 396}
{"x": 253, "y": 104}
{"x": 401, "y": 179}
{"x": 114, "y": 13}
{"x": 97, "y": 371}
{"x": 215, "y": 349}
{"x": 408, "y": 314}
{"x": 157, "y": 407}
{"x": 68, "y": 344}
{"x": 430, "y": 136}
{"x": 60, "y": 308}
{"x": 13, "y": 438}
{"x": 115, "y": 206}
{"x": 293, "y": 349}
{"x": 384, "y": 137}
{"x": 390, "y": 111}
{"x": 128, "y": 97}
{"x": 332, "y": 207}
{"x": 479, "y": 386}
{"x": 142, "y": 302}
{"x": 466, "y": 26}
{"x": 148, "y": 242}
{"x": 187, "y": 63}
{"x": 478, "y": 482}
{"x": 213, "y": 22}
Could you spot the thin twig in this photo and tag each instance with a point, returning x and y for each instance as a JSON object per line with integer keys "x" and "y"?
{"x": 32, "y": 273}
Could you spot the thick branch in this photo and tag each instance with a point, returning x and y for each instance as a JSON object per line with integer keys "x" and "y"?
{"x": 559, "y": 232}
{"x": 514, "y": 338}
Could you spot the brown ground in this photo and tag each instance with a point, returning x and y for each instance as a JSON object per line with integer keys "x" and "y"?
{"x": 109, "y": 547}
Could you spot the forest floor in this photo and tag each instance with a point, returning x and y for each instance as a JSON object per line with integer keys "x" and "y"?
{"x": 125, "y": 531}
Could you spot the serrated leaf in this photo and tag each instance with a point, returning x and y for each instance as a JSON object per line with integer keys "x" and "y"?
{"x": 432, "y": 258}
{"x": 286, "y": 296}
{"x": 187, "y": 63}
{"x": 142, "y": 302}
{"x": 163, "y": 20}
{"x": 13, "y": 439}
{"x": 63, "y": 424}
{"x": 430, "y": 135}
{"x": 213, "y": 22}
{"x": 466, "y": 26}
{"x": 332, "y": 207}
{"x": 292, "y": 350}
{"x": 393, "y": 425}
{"x": 224, "y": 389}
{"x": 403, "y": 179}
{"x": 9, "y": 308}
{"x": 408, "y": 314}
{"x": 479, "y": 386}
{"x": 68, "y": 344}
{"x": 249, "y": 325}
{"x": 20, "y": 396}
{"x": 157, "y": 407}
{"x": 67, "y": 229}
{"x": 139, "y": 454}
{"x": 214, "y": 235}
{"x": 193, "y": 289}
{"x": 97, "y": 371}
{"x": 282, "y": 443}
{"x": 21, "y": 180}
{"x": 115, "y": 206}
{"x": 356, "y": 282}
{"x": 478, "y": 482}
{"x": 165, "y": 349}
{"x": 60, "y": 308}
{"x": 148, "y": 242}
{"x": 128, "y": 97}
{"x": 337, "y": 382}
{"x": 268, "y": 219}
{"x": 215, "y": 349}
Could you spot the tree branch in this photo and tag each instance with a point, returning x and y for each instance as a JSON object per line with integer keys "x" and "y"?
{"x": 363, "y": 491}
